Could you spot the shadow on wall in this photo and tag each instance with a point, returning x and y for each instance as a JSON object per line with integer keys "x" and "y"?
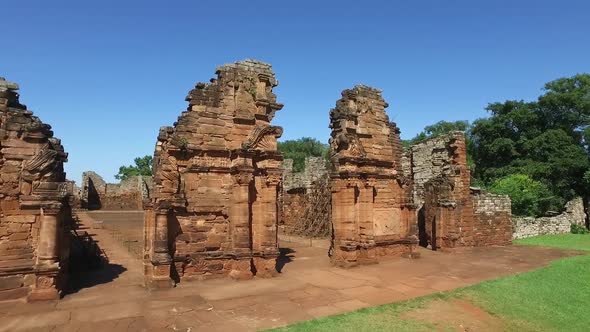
{"x": 93, "y": 202}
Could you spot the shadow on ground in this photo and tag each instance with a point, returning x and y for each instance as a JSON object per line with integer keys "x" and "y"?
{"x": 286, "y": 255}
{"x": 87, "y": 278}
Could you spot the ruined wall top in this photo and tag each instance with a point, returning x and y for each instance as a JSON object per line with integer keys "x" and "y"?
{"x": 441, "y": 156}
{"x": 31, "y": 159}
{"x": 221, "y": 113}
{"x": 363, "y": 139}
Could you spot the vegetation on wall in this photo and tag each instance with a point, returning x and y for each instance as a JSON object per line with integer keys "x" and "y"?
{"x": 143, "y": 166}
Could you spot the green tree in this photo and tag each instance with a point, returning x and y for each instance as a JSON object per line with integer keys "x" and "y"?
{"x": 437, "y": 129}
{"x": 529, "y": 197}
{"x": 546, "y": 139}
{"x": 143, "y": 166}
{"x": 301, "y": 148}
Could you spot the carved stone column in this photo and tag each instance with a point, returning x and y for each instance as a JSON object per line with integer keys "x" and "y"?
{"x": 265, "y": 224}
{"x": 47, "y": 265}
{"x": 161, "y": 260}
{"x": 367, "y": 253}
{"x": 344, "y": 215}
{"x": 240, "y": 225}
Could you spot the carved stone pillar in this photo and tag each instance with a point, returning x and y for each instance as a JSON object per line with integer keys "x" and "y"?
{"x": 161, "y": 260}
{"x": 47, "y": 265}
{"x": 240, "y": 225}
{"x": 344, "y": 215}
{"x": 265, "y": 224}
{"x": 367, "y": 253}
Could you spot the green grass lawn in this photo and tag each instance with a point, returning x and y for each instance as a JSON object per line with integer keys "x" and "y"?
{"x": 555, "y": 298}
{"x": 563, "y": 241}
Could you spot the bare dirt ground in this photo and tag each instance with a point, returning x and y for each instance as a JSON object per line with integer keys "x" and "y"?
{"x": 113, "y": 299}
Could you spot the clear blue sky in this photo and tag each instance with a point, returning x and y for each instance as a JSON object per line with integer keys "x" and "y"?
{"x": 107, "y": 74}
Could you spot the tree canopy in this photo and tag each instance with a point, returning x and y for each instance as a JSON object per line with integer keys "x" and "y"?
{"x": 546, "y": 140}
{"x": 143, "y": 166}
{"x": 301, "y": 148}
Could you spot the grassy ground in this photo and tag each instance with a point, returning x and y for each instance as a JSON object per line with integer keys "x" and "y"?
{"x": 555, "y": 298}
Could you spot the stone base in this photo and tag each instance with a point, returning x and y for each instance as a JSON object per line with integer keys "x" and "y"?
{"x": 265, "y": 267}
{"x": 158, "y": 276}
{"x": 46, "y": 294}
{"x": 367, "y": 256}
{"x": 396, "y": 250}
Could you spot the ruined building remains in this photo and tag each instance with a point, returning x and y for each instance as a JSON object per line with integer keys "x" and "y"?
{"x": 372, "y": 210}
{"x": 216, "y": 177}
{"x": 296, "y": 187}
{"x": 451, "y": 213}
{"x": 34, "y": 214}
{"x": 129, "y": 194}
{"x": 574, "y": 214}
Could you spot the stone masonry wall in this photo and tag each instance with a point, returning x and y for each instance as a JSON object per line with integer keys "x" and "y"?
{"x": 371, "y": 216}
{"x": 217, "y": 172}
{"x": 296, "y": 186}
{"x": 528, "y": 226}
{"x": 35, "y": 217}
{"x": 129, "y": 194}
{"x": 493, "y": 219}
{"x": 441, "y": 181}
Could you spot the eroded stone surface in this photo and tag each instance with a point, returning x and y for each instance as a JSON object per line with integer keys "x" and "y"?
{"x": 372, "y": 213}
{"x": 34, "y": 210}
{"x": 216, "y": 173}
{"x": 450, "y": 213}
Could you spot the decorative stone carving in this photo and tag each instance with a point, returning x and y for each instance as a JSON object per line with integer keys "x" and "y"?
{"x": 218, "y": 171}
{"x": 369, "y": 214}
{"x": 34, "y": 207}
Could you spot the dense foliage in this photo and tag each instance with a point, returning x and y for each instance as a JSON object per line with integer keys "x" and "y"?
{"x": 529, "y": 197}
{"x": 301, "y": 148}
{"x": 546, "y": 139}
{"x": 143, "y": 166}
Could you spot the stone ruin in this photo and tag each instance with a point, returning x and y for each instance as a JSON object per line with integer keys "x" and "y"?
{"x": 297, "y": 186}
{"x": 129, "y": 194}
{"x": 372, "y": 210}
{"x": 218, "y": 194}
{"x": 217, "y": 171}
{"x": 35, "y": 216}
{"x": 451, "y": 213}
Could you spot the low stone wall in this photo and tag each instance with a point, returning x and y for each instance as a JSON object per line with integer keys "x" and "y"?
{"x": 528, "y": 226}
{"x": 96, "y": 194}
{"x": 493, "y": 219}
